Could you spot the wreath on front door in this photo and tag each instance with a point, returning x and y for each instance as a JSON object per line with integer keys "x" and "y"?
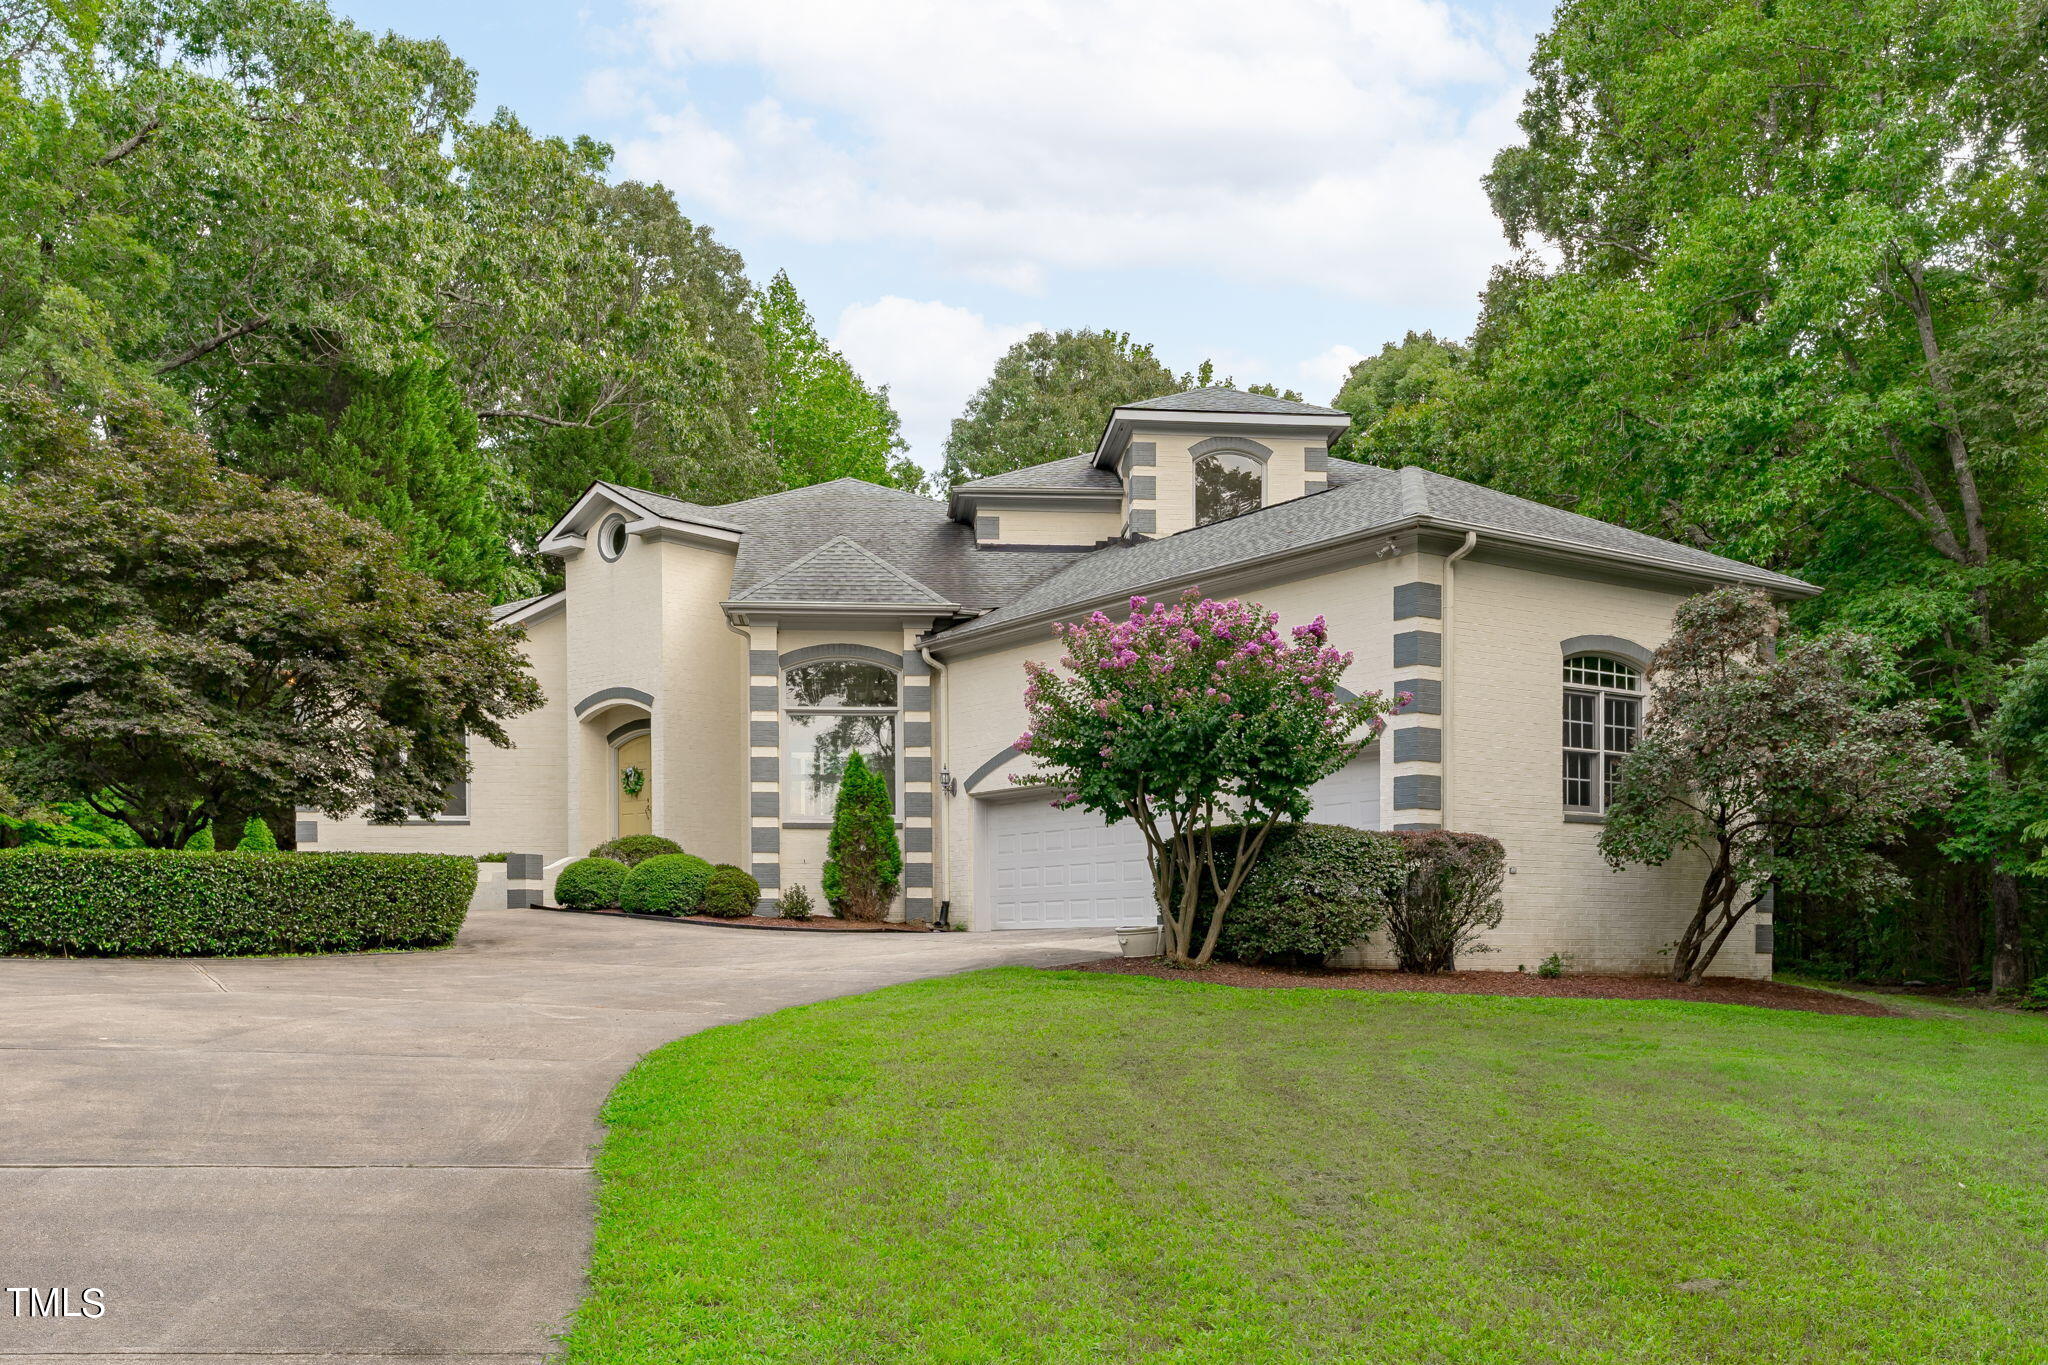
{"x": 631, "y": 780}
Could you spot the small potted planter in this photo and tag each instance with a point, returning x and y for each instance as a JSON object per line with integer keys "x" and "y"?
{"x": 1139, "y": 942}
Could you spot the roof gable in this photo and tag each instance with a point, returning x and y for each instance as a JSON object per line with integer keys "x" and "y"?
{"x": 843, "y": 572}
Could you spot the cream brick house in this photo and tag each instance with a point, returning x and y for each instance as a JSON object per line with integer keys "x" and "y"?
{"x": 707, "y": 669}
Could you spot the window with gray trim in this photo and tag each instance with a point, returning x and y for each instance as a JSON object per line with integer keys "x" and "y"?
{"x": 1227, "y": 485}
{"x": 611, "y": 537}
{"x": 830, "y": 709}
{"x": 1602, "y": 716}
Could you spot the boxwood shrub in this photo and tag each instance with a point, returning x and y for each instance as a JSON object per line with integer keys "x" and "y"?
{"x": 635, "y": 849}
{"x": 1315, "y": 891}
{"x": 730, "y": 894}
{"x": 590, "y": 883}
{"x": 170, "y": 903}
{"x": 669, "y": 885}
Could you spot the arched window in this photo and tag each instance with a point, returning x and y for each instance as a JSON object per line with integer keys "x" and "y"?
{"x": 830, "y": 709}
{"x": 1602, "y": 714}
{"x": 1227, "y": 485}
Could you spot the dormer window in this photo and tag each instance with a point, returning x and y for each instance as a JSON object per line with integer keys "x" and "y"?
{"x": 1227, "y": 485}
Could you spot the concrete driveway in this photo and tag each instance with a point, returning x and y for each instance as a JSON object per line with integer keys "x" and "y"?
{"x": 383, "y": 1157}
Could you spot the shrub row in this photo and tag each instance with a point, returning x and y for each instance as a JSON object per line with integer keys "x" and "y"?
{"x": 1316, "y": 890}
{"x": 663, "y": 884}
{"x": 169, "y": 903}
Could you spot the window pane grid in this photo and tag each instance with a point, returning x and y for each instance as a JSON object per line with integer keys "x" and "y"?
{"x": 1578, "y": 781}
{"x": 1620, "y": 728}
{"x": 1578, "y": 720}
{"x": 1587, "y": 670}
{"x": 1601, "y": 726}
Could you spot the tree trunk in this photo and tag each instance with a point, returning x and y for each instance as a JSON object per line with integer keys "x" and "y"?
{"x": 2008, "y": 948}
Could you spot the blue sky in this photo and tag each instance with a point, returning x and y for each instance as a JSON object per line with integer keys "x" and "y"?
{"x": 1280, "y": 186}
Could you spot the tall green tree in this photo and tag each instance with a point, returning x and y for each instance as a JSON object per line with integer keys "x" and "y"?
{"x": 183, "y": 646}
{"x": 200, "y": 185}
{"x": 1788, "y": 306}
{"x": 399, "y": 449}
{"x": 818, "y": 420}
{"x": 1048, "y": 398}
{"x": 219, "y": 204}
{"x": 1394, "y": 401}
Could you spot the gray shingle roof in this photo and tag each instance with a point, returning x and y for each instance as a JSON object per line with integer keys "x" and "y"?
{"x": 1075, "y": 471}
{"x": 505, "y": 609}
{"x": 910, "y": 534}
{"x": 1216, "y": 399}
{"x": 662, "y": 505}
{"x": 1364, "y": 498}
{"x": 842, "y": 571}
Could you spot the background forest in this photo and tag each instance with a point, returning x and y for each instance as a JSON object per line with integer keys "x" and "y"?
{"x": 1779, "y": 294}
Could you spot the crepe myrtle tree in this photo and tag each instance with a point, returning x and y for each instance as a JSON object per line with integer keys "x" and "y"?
{"x": 1780, "y": 762}
{"x": 1189, "y": 715}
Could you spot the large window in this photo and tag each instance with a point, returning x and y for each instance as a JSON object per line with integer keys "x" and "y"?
{"x": 1227, "y": 485}
{"x": 831, "y": 709}
{"x": 1602, "y": 713}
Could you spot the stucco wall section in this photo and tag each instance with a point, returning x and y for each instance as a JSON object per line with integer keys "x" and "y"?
{"x": 515, "y": 795}
{"x": 1504, "y": 749}
{"x": 1501, "y": 757}
{"x": 1286, "y": 473}
{"x": 702, "y": 803}
{"x": 651, "y": 620}
{"x": 1054, "y": 526}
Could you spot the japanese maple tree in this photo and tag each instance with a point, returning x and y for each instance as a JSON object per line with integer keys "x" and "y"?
{"x": 1189, "y": 715}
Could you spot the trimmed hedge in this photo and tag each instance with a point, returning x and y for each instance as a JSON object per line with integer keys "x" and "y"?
{"x": 170, "y": 903}
{"x": 730, "y": 894}
{"x": 591, "y": 883}
{"x": 1315, "y": 891}
{"x": 635, "y": 849}
{"x": 670, "y": 885}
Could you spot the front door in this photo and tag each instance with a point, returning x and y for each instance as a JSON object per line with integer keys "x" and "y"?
{"x": 635, "y": 786}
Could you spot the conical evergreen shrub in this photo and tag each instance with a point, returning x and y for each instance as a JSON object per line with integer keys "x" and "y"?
{"x": 863, "y": 861}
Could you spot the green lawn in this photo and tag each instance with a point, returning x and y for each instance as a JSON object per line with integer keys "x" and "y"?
{"x": 1026, "y": 1166}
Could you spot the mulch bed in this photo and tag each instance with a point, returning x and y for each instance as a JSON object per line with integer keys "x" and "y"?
{"x": 822, "y": 924}
{"x": 1716, "y": 990}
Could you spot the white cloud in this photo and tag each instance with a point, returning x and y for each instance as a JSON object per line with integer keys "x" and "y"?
{"x": 1296, "y": 141}
{"x": 1322, "y": 375}
{"x": 932, "y": 355}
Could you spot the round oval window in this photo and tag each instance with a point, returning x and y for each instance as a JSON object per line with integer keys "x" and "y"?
{"x": 611, "y": 537}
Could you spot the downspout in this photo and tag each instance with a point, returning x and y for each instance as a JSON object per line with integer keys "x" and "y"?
{"x": 942, "y": 853}
{"x": 1450, "y": 566}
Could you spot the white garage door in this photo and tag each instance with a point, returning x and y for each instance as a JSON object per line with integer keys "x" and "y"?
{"x": 1065, "y": 869}
{"x": 1351, "y": 795}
